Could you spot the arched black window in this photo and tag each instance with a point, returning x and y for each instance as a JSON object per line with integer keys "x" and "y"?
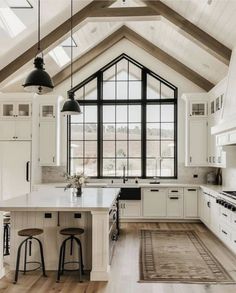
{"x": 129, "y": 119}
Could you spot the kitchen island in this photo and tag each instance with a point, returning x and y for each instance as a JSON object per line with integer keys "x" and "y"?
{"x": 53, "y": 209}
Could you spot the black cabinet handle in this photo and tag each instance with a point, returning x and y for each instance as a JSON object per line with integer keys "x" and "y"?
{"x": 173, "y": 197}
{"x": 224, "y": 232}
{"x": 224, "y": 215}
{"x": 190, "y": 189}
{"x": 27, "y": 171}
{"x": 174, "y": 191}
{"x": 153, "y": 190}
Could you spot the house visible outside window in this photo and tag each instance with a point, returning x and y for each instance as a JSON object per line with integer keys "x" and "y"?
{"x": 129, "y": 120}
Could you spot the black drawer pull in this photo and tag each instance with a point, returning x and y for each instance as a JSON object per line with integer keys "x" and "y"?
{"x": 190, "y": 189}
{"x": 174, "y": 191}
{"x": 173, "y": 197}
{"x": 224, "y": 215}
{"x": 153, "y": 190}
{"x": 224, "y": 232}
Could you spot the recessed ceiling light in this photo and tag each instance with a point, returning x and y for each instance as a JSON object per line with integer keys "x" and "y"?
{"x": 19, "y": 4}
{"x": 93, "y": 30}
{"x": 9, "y": 21}
{"x": 206, "y": 65}
{"x": 209, "y": 2}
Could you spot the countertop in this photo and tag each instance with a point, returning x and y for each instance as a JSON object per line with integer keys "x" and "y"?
{"x": 52, "y": 198}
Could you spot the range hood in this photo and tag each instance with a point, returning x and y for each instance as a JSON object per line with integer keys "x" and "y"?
{"x": 228, "y": 116}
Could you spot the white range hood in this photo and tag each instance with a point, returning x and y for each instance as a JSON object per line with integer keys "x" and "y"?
{"x": 228, "y": 116}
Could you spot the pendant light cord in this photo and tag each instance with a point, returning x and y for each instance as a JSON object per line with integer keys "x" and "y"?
{"x": 39, "y": 45}
{"x": 71, "y": 45}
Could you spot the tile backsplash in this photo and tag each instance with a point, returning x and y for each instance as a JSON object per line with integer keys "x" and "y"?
{"x": 185, "y": 174}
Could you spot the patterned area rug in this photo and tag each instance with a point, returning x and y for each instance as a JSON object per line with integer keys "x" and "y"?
{"x": 179, "y": 257}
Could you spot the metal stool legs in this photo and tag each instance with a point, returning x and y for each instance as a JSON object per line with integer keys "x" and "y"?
{"x": 6, "y": 236}
{"x": 61, "y": 264}
{"x": 27, "y": 243}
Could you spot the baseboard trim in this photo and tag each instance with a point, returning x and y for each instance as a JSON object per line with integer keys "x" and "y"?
{"x": 2, "y": 273}
{"x": 136, "y": 220}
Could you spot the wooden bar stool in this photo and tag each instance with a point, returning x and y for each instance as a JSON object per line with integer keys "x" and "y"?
{"x": 71, "y": 232}
{"x": 29, "y": 233}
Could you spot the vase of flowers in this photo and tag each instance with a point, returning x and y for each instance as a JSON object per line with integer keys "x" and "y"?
{"x": 76, "y": 182}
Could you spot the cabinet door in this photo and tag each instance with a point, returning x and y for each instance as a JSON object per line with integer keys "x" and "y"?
{"x": 154, "y": 202}
{"x": 7, "y": 129}
{"x": 175, "y": 206}
{"x": 23, "y": 110}
{"x": 190, "y": 203}
{"x": 131, "y": 208}
{"x": 15, "y": 158}
{"x": 198, "y": 109}
{"x": 197, "y": 142}
{"x": 47, "y": 111}
{"x": 47, "y": 143}
{"x": 7, "y": 110}
{"x": 206, "y": 209}
{"x": 214, "y": 215}
{"x": 23, "y": 130}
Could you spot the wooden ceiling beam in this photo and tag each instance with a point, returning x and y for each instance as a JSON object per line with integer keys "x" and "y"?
{"x": 124, "y": 12}
{"x": 135, "y": 38}
{"x": 193, "y": 32}
{"x": 90, "y": 55}
{"x": 52, "y": 37}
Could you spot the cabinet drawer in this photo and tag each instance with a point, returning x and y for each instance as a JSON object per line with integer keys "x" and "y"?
{"x": 225, "y": 234}
{"x": 174, "y": 191}
{"x": 225, "y": 215}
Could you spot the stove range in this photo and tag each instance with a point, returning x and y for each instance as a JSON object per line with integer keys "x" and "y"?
{"x": 231, "y": 194}
{"x": 225, "y": 201}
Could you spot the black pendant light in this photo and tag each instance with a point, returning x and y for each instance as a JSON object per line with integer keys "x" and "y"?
{"x": 71, "y": 106}
{"x": 38, "y": 81}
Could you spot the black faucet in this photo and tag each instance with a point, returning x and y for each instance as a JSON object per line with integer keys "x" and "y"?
{"x": 124, "y": 178}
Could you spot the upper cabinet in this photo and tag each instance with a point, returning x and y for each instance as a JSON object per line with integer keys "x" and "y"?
{"x": 203, "y": 111}
{"x": 198, "y": 108}
{"x": 49, "y": 107}
{"x": 16, "y": 117}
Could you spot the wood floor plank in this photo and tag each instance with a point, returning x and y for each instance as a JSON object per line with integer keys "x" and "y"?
{"x": 125, "y": 268}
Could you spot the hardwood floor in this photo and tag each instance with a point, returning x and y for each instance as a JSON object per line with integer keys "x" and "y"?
{"x": 125, "y": 268}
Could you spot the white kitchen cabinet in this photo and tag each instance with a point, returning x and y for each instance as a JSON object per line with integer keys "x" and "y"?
{"x": 197, "y": 143}
{"x": 175, "y": 206}
{"x": 154, "y": 202}
{"x": 214, "y": 215}
{"x": 15, "y": 109}
{"x": 130, "y": 208}
{"x": 198, "y": 108}
{"x": 204, "y": 208}
{"x": 15, "y": 158}
{"x": 50, "y": 130}
{"x": 48, "y": 152}
{"x": 191, "y": 203}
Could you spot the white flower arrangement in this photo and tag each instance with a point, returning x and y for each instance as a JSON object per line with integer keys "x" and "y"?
{"x": 76, "y": 180}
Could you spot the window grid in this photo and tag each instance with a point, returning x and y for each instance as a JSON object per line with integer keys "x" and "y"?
{"x": 143, "y": 101}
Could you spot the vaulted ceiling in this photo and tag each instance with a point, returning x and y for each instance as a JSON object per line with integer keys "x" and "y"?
{"x": 196, "y": 37}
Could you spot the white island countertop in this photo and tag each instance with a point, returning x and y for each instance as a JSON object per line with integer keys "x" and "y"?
{"x": 58, "y": 199}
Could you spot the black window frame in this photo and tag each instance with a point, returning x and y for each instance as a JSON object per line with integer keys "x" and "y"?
{"x": 99, "y": 102}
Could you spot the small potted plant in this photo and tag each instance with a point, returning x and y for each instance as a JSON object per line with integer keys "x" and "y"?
{"x": 75, "y": 181}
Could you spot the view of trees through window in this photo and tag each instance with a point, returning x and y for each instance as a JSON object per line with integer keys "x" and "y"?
{"x": 128, "y": 120}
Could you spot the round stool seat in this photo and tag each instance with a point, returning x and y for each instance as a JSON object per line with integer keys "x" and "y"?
{"x": 72, "y": 231}
{"x": 6, "y": 214}
{"x": 30, "y": 232}
{"x": 6, "y": 220}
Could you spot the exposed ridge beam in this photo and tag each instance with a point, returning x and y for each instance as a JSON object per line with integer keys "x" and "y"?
{"x": 125, "y": 32}
{"x": 52, "y": 37}
{"x": 90, "y": 55}
{"x": 124, "y": 12}
{"x": 210, "y": 44}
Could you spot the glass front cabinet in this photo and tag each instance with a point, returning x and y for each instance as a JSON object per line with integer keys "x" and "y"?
{"x": 197, "y": 109}
{"x": 13, "y": 110}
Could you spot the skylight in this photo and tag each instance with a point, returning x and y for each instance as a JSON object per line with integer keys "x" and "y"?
{"x": 60, "y": 56}
{"x": 9, "y": 21}
{"x": 19, "y": 4}
{"x": 67, "y": 43}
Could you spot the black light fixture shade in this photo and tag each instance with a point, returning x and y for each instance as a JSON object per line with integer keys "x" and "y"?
{"x": 71, "y": 106}
{"x": 38, "y": 81}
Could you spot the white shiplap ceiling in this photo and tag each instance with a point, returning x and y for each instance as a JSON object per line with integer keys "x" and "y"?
{"x": 216, "y": 19}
